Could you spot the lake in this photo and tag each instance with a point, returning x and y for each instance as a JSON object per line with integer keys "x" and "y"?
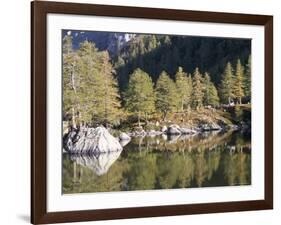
{"x": 208, "y": 159}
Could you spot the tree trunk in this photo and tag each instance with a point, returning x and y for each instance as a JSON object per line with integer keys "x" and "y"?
{"x": 139, "y": 119}
{"x": 146, "y": 117}
{"x": 73, "y": 118}
{"x": 74, "y": 173}
{"x": 164, "y": 115}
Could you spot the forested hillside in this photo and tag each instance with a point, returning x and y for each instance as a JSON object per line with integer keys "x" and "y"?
{"x": 153, "y": 54}
{"x": 147, "y": 75}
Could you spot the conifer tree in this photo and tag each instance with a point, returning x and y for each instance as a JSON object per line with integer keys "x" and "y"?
{"x": 111, "y": 99}
{"x": 140, "y": 97}
{"x": 67, "y": 44}
{"x": 226, "y": 87}
{"x": 189, "y": 91}
{"x": 210, "y": 92}
{"x": 248, "y": 74}
{"x": 70, "y": 80}
{"x": 91, "y": 83}
{"x": 197, "y": 89}
{"x": 214, "y": 97}
{"x": 98, "y": 95}
{"x": 184, "y": 88}
{"x": 238, "y": 88}
{"x": 167, "y": 98}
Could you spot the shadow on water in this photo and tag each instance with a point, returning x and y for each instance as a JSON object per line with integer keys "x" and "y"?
{"x": 163, "y": 162}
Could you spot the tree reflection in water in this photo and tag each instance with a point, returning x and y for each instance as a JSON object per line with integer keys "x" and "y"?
{"x": 162, "y": 162}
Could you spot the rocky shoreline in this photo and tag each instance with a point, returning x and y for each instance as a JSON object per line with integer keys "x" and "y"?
{"x": 172, "y": 129}
{"x": 99, "y": 140}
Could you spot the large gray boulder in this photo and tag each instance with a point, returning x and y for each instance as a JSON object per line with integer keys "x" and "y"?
{"x": 210, "y": 127}
{"x": 91, "y": 141}
{"x": 164, "y": 129}
{"x": 184, "y": 130}
{"x": 124, "y": 136}
{"x": 153, "y": 133}
{"x": 173, "y": 130}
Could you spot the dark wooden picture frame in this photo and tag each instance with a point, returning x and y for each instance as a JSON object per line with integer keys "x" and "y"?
{"x": 40, "y": 9}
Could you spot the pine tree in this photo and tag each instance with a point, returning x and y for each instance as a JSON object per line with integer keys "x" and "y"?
{"x": 197, "y": 89}
{"x": 140, "y": 97}
{"x": 238, "y": 88}
{"x": 226, "y": 87}
{"x": 167, "y": 98}
{"x": 184, "y": 88}
{"x": 247, "y": 80}
{"x": 111, "y": 98}
{"x": 210, "y": 92}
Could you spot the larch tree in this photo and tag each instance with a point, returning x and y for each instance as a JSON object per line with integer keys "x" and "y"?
{"x": 91, "y": 94}
{"x": 247, "y": 80}
{"x": 184, "y": 88}
{"x": 71, "y": 77}
{"x": 167, "y": 98}
{"x": 210, "y": 92}
{"x": 99, "y": 101}
{"x": 226, "y": 87}
{"x": 140, "y": 96}
{"x": 110, "y": 111}
{"x": 238, "y": 88}
{"x": 214, "y": 97}
{"x": 197, "y": 89}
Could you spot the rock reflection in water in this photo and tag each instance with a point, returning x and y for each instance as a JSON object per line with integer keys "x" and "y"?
{"x": 163, "y": 162}
{"x": 98, "y": 163}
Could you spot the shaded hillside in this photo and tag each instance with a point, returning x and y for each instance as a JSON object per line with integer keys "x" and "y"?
{"x": 154, "y": 54}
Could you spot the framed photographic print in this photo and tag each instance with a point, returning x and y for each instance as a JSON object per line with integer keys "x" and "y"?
{"x": 143, "y": 112}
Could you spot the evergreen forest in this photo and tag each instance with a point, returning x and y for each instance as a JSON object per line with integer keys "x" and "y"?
{"x": 139, "y": 80}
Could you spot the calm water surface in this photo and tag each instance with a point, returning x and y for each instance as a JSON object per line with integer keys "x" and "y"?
{"x": 162, "y": 162}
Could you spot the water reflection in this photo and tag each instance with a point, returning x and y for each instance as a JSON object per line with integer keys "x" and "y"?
{"x": 162, "y": 162}
{"x": 99, "y": 164}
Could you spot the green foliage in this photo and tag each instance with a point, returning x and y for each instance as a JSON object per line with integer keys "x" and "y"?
{"x": 210, "y": 92}
{"x": 238, "y": 88}
{"x": 184, "y": 88}
{"x": 198, "y": 88}
{"x": 142, "y": 173}
{"x": 162, "y": 52}
{"x": 227, "y": 83}
{"x": 67, "y": 44}
{"x": 71, "y": 80}
{"x": 140, "y": 97}
{"x": 90, "y": 90}
{"x": 167, "y": 98}
{"x": 110, "y": 109}
{"x": 147, "y": 164}
{"x": 247, "y": 80}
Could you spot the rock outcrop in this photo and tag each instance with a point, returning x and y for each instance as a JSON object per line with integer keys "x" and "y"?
{"x": 184, "y": 130}
{"x": 91, "y": 141}
{"x": 153, "y": 133}
{"x": 123, "y": 136}
{"x": 173, "y": 130}
{"x": 164, "y": 129}
{"x": 210, "y": 127}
